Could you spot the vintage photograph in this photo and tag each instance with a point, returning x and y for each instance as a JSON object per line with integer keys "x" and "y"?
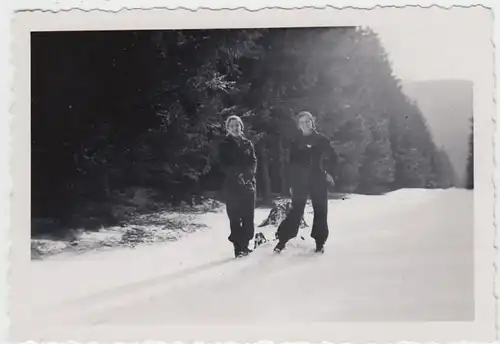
{"x": 254, "y": 176}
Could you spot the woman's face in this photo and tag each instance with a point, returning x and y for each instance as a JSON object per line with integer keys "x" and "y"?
{"x": 234, "y": 128}
{"x": 305, "y": 124}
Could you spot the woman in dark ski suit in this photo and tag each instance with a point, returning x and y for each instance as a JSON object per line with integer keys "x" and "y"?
{"x": 237, "y": 157}
{"x": 308, "y": 178}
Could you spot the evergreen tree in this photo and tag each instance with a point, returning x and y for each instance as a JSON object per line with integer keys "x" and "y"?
{"x": 112, "y": 110}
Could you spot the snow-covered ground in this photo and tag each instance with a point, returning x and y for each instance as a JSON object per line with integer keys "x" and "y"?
{"x": 404, "y": 256}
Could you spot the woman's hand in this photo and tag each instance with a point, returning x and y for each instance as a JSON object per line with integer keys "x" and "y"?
{"x": 330, "y": 180}
{"x": 240, "y": 179}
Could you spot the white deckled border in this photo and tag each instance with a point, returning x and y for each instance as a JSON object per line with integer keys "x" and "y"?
{"x": 256, "y": 5}
{"x": 104, "y": 6}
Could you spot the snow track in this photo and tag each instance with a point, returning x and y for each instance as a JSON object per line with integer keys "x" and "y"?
{"x": 404, "y": 256}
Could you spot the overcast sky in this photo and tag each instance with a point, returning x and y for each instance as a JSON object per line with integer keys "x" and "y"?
{"x": 426, "y": 44}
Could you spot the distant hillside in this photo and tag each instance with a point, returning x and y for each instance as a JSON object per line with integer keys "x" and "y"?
{"x": 447, "y": 105}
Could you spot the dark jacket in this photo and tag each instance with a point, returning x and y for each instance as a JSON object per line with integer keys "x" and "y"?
{"x": 311, "y": 156}
{"x": 238, "y": 161}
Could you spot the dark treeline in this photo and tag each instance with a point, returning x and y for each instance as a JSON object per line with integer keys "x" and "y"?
{"x": 115, "y": 110}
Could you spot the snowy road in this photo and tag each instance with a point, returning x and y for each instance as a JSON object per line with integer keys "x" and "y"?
{"x": 405, "y": 256}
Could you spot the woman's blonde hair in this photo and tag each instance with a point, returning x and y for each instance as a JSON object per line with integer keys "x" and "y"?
{"x": 235, "y": 118}
{"x": 306, "y": 114}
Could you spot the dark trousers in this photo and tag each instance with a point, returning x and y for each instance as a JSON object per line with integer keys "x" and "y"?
{"x": 240, "y": 207}
{"x": 301, "y": 190}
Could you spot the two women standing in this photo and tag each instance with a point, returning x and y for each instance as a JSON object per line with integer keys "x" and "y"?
{"x": 307, "y": 175}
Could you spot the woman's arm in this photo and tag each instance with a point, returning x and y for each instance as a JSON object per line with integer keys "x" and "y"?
{"x": 252, "y": 159}
{"x": 331, "y": 158}
{"x": 249, "y": 167}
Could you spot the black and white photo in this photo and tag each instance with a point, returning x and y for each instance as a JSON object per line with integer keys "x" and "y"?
{"x": 283, "y": 178}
